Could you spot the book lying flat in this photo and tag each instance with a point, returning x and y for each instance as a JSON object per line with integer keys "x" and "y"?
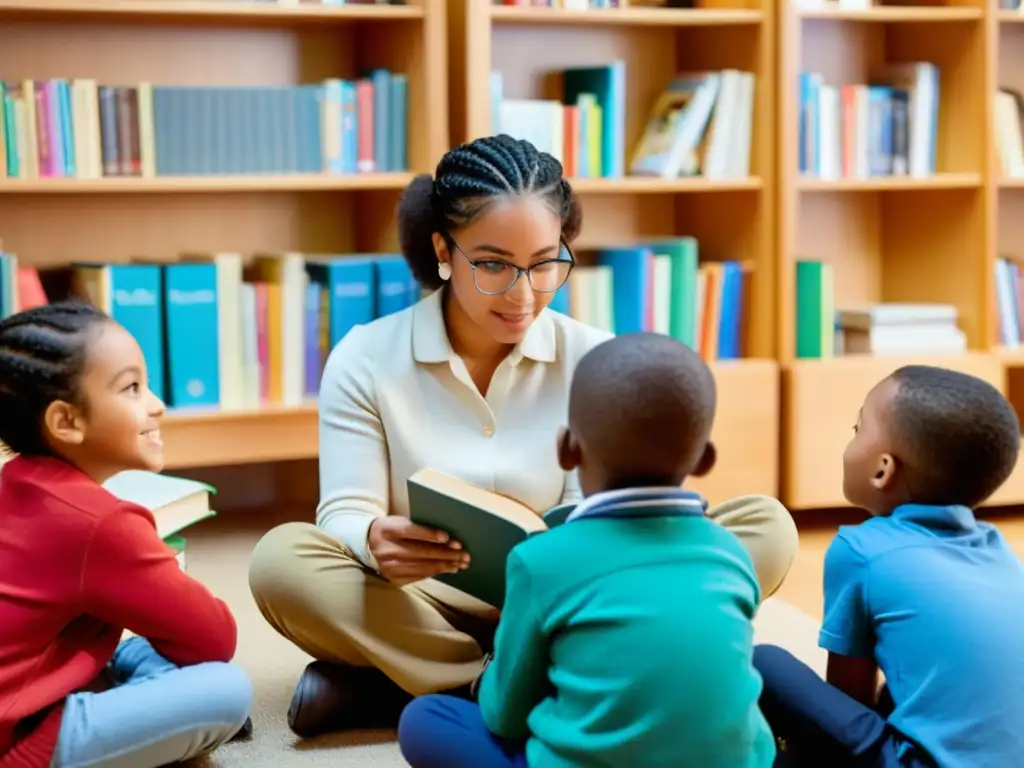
{"x": 487, "y": 524}
{"x": 175, "y": 502}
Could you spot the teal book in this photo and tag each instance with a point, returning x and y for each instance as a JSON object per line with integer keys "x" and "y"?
{"x": 487, "y": 524}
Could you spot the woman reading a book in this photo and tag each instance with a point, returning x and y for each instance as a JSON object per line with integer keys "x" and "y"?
{"x": 472, "y": 381}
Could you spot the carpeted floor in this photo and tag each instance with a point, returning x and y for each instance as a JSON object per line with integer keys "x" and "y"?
{"x": 218, "y": 553}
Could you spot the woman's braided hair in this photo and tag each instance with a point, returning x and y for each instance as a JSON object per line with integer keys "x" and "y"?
{"x": 42, "y": 355}
{"x": 466, "y": 182}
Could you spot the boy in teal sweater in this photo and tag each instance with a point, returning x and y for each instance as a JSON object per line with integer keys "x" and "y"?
{"x": 626, "y": 636}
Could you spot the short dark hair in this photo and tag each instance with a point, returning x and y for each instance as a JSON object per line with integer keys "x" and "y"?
{"x": 467, "y": 181}
{"x": 957, "y": 435}
{"x": 642, "y": 406}
{"x": 42, "y": 356}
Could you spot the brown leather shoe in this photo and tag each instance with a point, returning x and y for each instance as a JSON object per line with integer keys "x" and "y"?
{"x": 322, "y": 699}
{"x": 334, "y": 697}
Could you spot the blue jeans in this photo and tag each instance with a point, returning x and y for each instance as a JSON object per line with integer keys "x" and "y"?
{"x": 439, "y": 731}
{"x": 820, "y": 725}
{"x": 156, "y": 713}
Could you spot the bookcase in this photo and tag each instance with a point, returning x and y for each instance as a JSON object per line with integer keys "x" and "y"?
{"x": 53, "y": 221}
{"x": 730, "y": 218}
{"x": 929, "y": 236}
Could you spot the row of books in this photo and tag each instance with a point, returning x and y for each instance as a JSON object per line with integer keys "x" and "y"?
{"x": 225, "y": 331}
{"x": 888, "y": 328}
{"x": 660, "y": 286}
{"x": 1009, "y": 301}
{"x": 585, "y": 129}
{"x": 887, "y": 127}
{"x": 701, "y": 125}
{"x": 84, "y": 129}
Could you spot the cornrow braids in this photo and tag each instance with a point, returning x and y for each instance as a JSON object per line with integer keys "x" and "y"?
{"x": 42, "y": 354}
{"x": 468, "y": 180}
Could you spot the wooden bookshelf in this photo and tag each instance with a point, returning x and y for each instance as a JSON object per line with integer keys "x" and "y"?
{"x": 731, "y": 219}
{"x": 53, "y": 221}
{"x": 930, "y": 239}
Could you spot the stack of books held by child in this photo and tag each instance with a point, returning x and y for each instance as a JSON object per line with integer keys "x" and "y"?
{"x": 487, "y": 524}
{"x": 176, "y": 503}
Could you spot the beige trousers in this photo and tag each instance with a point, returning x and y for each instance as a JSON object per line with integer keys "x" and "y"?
{"x": 427, "y": 636}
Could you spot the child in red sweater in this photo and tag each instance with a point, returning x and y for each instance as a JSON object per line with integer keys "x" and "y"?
{"x": 79, "y": 566}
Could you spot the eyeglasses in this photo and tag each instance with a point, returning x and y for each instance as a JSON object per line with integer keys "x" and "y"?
{"x": 494, "y": 276}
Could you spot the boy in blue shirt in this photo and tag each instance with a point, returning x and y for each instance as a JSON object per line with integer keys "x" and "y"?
{"x": 626, "y": 636}
{"x": 922, "y": 591}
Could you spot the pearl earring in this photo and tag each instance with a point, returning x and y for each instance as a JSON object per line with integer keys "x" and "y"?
{"x": 444, "y": 270}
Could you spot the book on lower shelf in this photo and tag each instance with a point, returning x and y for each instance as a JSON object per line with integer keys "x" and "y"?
{"x": 487, "y": 524}
{"x": 227, "y": 330}
{"x": 700, "y": 126}
{"x": 887, "y": 127}
{"x": 659, "y": 286}
{"x": 79, "y": 128}
{"x": 881, "y": 329}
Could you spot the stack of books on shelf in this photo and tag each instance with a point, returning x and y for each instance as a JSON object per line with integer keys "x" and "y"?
{"x": 1009, "y": 301}
{"x": 659, "y": 286}
{"x": 223, "y": 331}
{"x": 700, "y": 126}
{"x": 887, "y": 127}
{"x": 1008, "y": 127}
{"x": 84, "y": 129}
{"x": 823, "y": 331}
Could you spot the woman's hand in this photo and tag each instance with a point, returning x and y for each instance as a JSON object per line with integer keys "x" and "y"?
{"x": 406, "y": 552}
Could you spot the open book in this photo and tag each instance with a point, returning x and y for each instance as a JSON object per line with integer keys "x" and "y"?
{"x": 176, "y": 503}
{"x": 487, "y": 524}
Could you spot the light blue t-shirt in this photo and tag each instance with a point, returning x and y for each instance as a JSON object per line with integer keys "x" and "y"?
{"x": 937, "y": 599}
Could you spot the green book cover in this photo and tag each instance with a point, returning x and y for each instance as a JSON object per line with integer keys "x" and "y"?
{"x": 812, "y": 309}
{"x": 487, "y": 524}
{"x": 682, "y": 252}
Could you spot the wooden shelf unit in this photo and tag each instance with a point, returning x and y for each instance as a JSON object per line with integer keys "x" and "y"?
{"x": 51, "y": 222}
{"x": 730, "y": 219}
{"x": 891, "y": 239}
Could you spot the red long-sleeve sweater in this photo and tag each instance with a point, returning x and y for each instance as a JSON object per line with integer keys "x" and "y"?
{"x": 77, "y": 567}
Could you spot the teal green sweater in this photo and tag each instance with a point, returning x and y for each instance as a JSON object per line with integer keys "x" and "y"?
{"x": 628, "y": 642}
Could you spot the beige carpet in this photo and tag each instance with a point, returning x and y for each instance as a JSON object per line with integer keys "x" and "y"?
{"x": 218, "y": 552}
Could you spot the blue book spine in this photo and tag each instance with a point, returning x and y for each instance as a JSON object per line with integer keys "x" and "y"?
{"x": 560, "y": 301}
{"x": 630, "y": 276}
{"x": 193, "y": 347}
{"x": 399, "y": 133}
{"x": 67, "y": 127}
{"x": 352, "y": 288}
{"x": 731, "y": 311}
{"x": 393, "y": 275}
{"x": 136, "y": 303}
{"x": 314, "y": 365}
{"x": 381, "y": 80}
{"x": 349, "y": 127}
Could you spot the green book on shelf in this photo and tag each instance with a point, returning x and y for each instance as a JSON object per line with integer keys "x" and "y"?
{"x": 815, "y": 310}
{"x": 175, "y": 502}
{"x": 487, "y": 524}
